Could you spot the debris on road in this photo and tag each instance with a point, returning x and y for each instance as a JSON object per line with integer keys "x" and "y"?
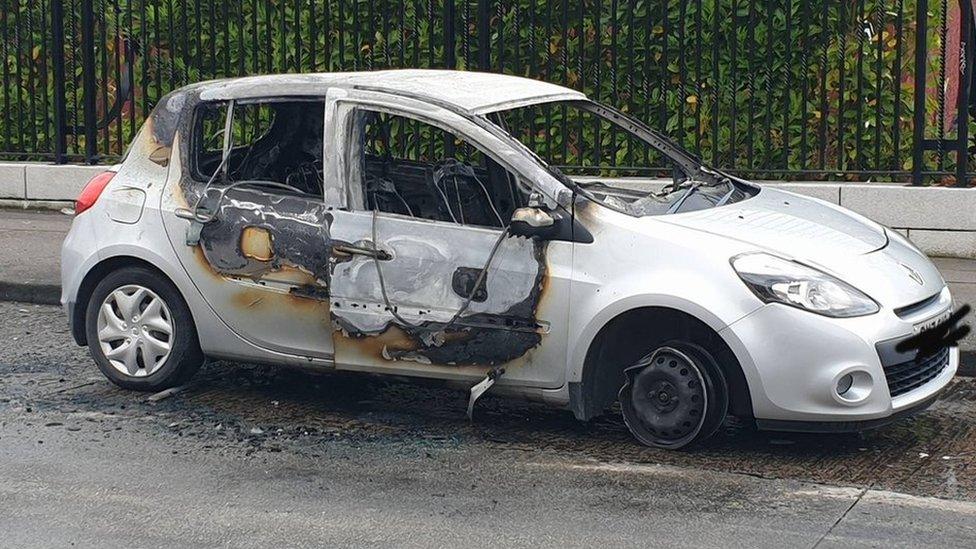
{"x": 165, "y": 393}
{"x": 73, "y": 387}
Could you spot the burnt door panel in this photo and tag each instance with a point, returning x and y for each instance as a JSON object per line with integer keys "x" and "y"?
{"x": 261, "y": 263}
{"x": 428, "y": 269}
{"x": 262, "y": 266}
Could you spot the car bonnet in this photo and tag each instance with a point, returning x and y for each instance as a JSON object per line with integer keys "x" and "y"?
{"x": 822, "y": 235}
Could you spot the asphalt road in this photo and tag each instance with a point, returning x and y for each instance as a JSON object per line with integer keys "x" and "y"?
{"x": 256, "y": 456}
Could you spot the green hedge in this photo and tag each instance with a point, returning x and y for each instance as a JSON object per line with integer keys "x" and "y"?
{"x": 756, "y": 86}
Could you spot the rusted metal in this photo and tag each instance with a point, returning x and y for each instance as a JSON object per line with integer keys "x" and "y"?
{"x": 256, "y": 244}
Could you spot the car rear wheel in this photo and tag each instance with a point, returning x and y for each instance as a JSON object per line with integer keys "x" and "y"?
{"x": 140, "y": 331}
{"x": 674, "y": 396}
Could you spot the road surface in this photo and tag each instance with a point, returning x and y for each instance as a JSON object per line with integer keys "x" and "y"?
{"x": 252, "y": 456}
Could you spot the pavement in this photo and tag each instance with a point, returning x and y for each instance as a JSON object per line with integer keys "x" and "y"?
{"x": 30, "y": 255}
{"x": 255, "y": 456}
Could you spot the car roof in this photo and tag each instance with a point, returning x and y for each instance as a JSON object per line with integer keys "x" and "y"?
{"x": 472, "y": 92}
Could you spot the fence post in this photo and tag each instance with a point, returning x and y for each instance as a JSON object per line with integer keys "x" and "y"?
{"x": 484, "y": 35}
{"x": 921, "y": 55}
{"x": 88, "y": 80}
{"x": 57, "y": 57}
{"x": 450, "y": 62}
{"x": 962, "y": 99}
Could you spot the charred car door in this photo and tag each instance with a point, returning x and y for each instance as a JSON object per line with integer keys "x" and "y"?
{"x": 425, "y": 278}
{"x": 246, "y": 217}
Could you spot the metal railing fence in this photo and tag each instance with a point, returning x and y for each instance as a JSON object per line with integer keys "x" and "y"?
{"x": 787, "y": 89}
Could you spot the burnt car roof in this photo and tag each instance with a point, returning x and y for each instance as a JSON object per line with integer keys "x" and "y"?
{"x": 472, "y": 92}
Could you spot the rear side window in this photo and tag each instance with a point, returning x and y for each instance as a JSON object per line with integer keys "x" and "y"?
{"x": 276, "y": 141}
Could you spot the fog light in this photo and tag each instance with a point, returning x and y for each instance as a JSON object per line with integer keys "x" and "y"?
{"x": 853, "y": 387}
{"x": 844, "y": 384}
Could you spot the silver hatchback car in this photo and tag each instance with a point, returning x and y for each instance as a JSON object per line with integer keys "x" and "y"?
{"x": 405, "y": 223}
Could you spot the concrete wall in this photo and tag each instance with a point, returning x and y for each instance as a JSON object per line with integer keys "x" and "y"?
{"x": 941, "y": 221}
{"x": 30, "y": 184}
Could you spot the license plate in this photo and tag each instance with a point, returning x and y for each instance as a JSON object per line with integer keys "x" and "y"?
{"x": 932, "y": 322}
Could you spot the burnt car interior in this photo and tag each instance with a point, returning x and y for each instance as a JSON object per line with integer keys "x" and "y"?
{"x": 276, "y": 141}
{"x": 415, "y": 169}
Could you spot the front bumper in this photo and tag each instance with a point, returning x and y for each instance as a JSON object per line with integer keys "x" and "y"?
{"x": 793, "y": 360}
{"x": 844, "y": 426}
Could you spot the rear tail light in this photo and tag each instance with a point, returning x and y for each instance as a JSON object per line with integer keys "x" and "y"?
{"x": 93, "y": 189}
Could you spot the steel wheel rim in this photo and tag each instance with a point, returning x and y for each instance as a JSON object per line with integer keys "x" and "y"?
{"x": 668, "y": 396}
{"x": 135, "y": 330}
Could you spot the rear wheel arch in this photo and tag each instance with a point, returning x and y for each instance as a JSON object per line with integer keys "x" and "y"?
{"x": 628, "y": 336}
{"x": 94, "y": 276}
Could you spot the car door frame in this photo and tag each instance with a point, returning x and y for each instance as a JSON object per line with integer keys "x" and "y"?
{"x": 542, "y": 366}
{"x": 267, "y": 312}
{"x": 517, "y": 160}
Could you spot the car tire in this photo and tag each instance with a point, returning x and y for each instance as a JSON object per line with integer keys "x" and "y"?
{"x": 140, "y": 331}
{"x": 674, "y": 396}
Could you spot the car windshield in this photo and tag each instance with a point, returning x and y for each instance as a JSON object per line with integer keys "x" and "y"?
{"x": 618, "y": 161}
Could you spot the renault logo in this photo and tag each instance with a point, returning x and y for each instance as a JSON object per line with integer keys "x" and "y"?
{"x": 913, "y": 274}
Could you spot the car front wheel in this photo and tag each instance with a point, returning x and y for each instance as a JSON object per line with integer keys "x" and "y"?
{"x": 140, "y": 331}
{"x": 674, "y": 396}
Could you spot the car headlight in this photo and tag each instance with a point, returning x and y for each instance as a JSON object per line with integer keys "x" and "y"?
{"x": 774, "y": 279}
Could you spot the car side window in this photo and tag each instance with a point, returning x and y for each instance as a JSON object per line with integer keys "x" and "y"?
{"x": 416, "y": 169}
{"x": 276, "y": 141}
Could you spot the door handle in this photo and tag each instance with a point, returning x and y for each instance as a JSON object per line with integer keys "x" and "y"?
{"x": 369, "y": 250}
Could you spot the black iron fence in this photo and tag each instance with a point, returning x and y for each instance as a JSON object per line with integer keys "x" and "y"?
{"x": 792, "y": 89}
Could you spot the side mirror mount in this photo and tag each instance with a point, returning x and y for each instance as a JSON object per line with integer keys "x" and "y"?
{"x": 532, "y": 222}
{"x": 534, "y": 217}
{"x": 535, "y": 200}
{"x": 538, "y": 221}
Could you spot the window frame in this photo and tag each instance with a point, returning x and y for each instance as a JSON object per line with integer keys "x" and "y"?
{"x": 355, "y": 180}
{"x": 197, "y": 140}
{"x": 231, "y": 104}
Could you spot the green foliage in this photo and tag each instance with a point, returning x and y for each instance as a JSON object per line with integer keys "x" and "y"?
{"x": 755, "y": 86}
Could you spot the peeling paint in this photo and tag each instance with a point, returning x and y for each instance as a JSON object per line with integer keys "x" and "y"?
{"x": 293, "y": 230}
{"x": 256, "y": 243}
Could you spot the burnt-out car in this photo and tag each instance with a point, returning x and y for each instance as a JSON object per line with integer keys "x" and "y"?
{"x": 406, "y": 223}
